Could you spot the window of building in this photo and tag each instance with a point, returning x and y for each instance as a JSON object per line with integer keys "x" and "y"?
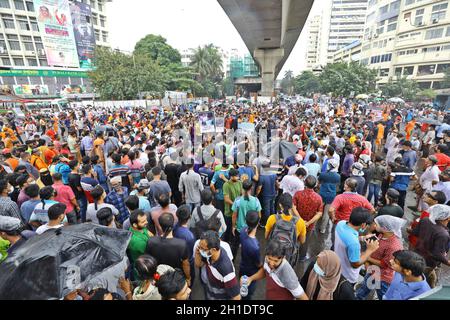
{"x": 94, "y": 19}
{"x": 384, "y": 72}
{"x": 395, "y": 5}
{"x": 419, "y": 17}
{"x": 14, "y": 45}
{"x": 398, "y": 71}
{"x": 434, "y": 33}
{"x": 384, "y": 9}
{"x": 97, "y": 35}
{"x": 425, "y": 70}
{"x": 24, "y": 25}
{"x": 19, "y": 5}
{"x": 32, "y": 62}
{"x": 39, "y": 46}
{"x": 448, "y": 32}
{"x": 43, "y": 62}
{"x": 441, "y": 68}
{"x": 446, "y": 47}
{"x": 102, "y": 21}
{"x": 4, "y": 4}
{"x": 8, "y": 23}
{"x": 30, "y": 6}
{"x": 6, "y": 61}
{"x": 412, "y": 51}
{"x": 431, "y": 49}
{"x": 34, "y": 26}
{"x": 408, "y": 2}
{"x": 105, "y": 36}
{"x": 438, "y": 85}
{"x": 28, "y": 46}
{"x": 408, "y": 71}
{"x": 424, "y": 85}
{"x": 18, "y": 62}
{"x": 100, "y": 6}
{"x": 438, "y": 11}
{"x": 372, "y": 3}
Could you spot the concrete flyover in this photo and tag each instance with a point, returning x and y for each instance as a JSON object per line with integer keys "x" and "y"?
{"x": 270, "y": 30}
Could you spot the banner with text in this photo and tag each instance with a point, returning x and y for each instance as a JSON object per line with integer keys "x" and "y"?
{"x": 84, "y": 33}
{"x": 31, "y": 90}
{"x": 55, "y": 25}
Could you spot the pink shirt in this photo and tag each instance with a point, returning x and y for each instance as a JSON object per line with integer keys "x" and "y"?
{"x": 158, "y": 211}
{"x": 64, "y": 195}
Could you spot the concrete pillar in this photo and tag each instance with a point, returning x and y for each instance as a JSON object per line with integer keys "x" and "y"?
{"x": 268, "y": 59}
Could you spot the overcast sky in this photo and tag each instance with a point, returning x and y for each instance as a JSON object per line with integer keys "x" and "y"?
{"x": 185, "y": 24}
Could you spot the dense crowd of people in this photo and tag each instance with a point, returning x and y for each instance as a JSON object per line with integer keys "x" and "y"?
{"x": 236, "y": 216}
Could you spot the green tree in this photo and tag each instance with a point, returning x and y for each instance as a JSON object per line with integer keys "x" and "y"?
{"x": 288, "y": 82}
{"x": 401, "y": 87}
{"x": 228, "y": 87}
{"x": 307, "y": 83}
{"x": 341, "y": 79}
{"x": 119, "y": 76}
{"x": 207, "y": 63}
{"x": 427, "y": 94}
{"x": 157, "y": 48}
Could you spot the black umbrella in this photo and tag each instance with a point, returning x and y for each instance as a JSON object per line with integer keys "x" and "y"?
{"x": 52, "y": 264}
{"x": 281, "y": 149}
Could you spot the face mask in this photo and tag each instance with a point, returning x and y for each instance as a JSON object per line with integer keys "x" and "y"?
{"x": 10, "y": 189}
{"x": 204, "y": 254}
{"x": 318, "y": 270}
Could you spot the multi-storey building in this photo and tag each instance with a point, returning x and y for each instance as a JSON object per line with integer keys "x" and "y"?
{"x": 347, "y": 19}
{"x": 23, "y": 59}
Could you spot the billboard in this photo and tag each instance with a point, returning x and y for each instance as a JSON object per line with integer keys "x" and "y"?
{"x": 31, "y": 90}
{"x": 55, "y": 26}
{"x": 73, "y": 89}
{"x": 84, "y": 33}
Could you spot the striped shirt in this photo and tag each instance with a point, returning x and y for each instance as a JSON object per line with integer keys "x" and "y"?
{"x": 220, "y": 279}
{"x": 10, "y": 209}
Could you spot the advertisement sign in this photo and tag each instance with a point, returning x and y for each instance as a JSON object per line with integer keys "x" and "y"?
{"x": 31, "y": 90}
{"x": 220, "y": 124}
{"x": 73, "y": 89}
{"x": 246, "y": 127}
{"x": 55, "y": 25}
{"x": 43, "y": 73}
{"x": 84, "y": 33}
{"x": 206, "y": 121}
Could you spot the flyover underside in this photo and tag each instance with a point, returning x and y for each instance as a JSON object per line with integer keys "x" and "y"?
{"x": 270, "y": 30}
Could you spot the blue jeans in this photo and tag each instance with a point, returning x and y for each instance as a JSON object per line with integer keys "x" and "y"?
{"x": 268, "y": 208}
{"x": 83, "y": 208}
{"x": 363, "y": 291}
{"x": 374, "y": 190}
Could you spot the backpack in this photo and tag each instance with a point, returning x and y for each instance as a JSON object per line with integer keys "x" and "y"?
{"x": 286, "y": 232}
{"x": 202, "y": 225}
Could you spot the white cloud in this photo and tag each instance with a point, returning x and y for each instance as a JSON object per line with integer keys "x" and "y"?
{"x": 185, "y": 24}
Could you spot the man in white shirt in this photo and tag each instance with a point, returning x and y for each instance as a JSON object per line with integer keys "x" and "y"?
{"x": 293, "y": 183}
{"x": 56, "y": 217}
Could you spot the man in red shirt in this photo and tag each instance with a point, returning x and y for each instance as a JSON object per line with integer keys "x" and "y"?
{"x": 430, "y": 198}
{"x": 309, "y": 205}
{"x": 343, "y": 204}
{"x": 443, "y": 159}
{"x": 50, "y": 153}
{"x": 64, "y": 194}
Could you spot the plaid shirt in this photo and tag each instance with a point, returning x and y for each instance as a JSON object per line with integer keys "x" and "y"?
{"x": 118, "y": 201}
{"x": 10, "y": 209}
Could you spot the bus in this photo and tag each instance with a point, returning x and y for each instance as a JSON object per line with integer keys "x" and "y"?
{"x": 54, "y": 106}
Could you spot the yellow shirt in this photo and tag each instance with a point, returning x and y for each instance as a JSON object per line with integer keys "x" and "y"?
{"x": 301, "y": 227}
{"x": 352, "y": 139}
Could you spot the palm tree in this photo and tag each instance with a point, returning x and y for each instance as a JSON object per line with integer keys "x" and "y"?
{"x": 207, "y": 63}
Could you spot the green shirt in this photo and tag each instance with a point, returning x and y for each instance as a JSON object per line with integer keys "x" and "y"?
{"x": 233, "y": 190}
{"x": 243, "y": 206}
{"x": 138, "y": 243}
